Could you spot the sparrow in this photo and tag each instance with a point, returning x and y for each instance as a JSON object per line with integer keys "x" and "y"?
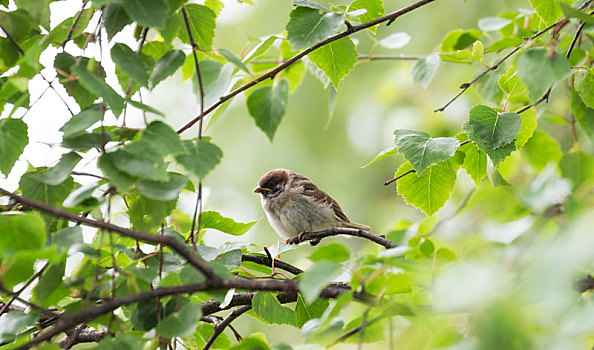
{"x": 294, "y": 205}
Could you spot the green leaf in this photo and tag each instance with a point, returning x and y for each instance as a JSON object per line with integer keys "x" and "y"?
{"x": 475, "y": 162}
{"x": 181, "y": 323}
{"x": 121, "y": 180}
{"x": 38, "y": 9}
{"x": 267, "y": 105}
{"x": 308, "y": 26}
{"x": 99, "y": 87}
{"x": 267, "y": 307}
{"x": 375, "y": 9}
{"x": 202, "y": 24}
{"x": 549, "y": 10}
{"x": 163, "y": 190}
{"x": 145, "y": 108}
{"x": 85, "y": 141}
{"x": 316, "y": 278}
{"x": 81, "y": 122}
{"x": 164, "y": 137}
{"x": 140, "y": 159}
{"x": 583, "y": 114}
{"x": 492, "y": 24}
{"x": 32, "y": 185}
{"x": 260, "y": 49}
{"x": 146, "y": 214}
{"x": 256, "y": 341}
{"x": 304, "y": 312}
{"x": 167, "y": 65}
{"x": 459, "y": 39}
{"x": 510, "y": 83}
{"x": 13, "y": 139}
{"x": 496, "y": 155}
{"x": 539, "y": 69}
{"x": 81, "y": 95}
{"x": 12, "y": 323}
{"x": 421, "y": 150}
{"x": 577, "y": 167}
{"x": 82, "y": 197}
{"x": 542, "y": 149}
{"x": 200, "y": 158}
{"x": 584, "y": 85}
{"x": 529, "y": 124}
{"x": 431, "y": 190}
{"x": 66, "y": 237}
{"x": 130, "y": 62}
{"x": 334, "y": 252}
{"x": 115, "y": 18}
{"x": 383, "y": 154}
{"x": 424, "y": 69}
{"x": 214, "y": 220}
{"x": 494, "y": 129}
{"x": 58, "y": 173}
{"x": 231, "y": 58}
{"x": 504, "y": 43}
{"x": 21, "y": 231}
{"x": 49, "y": 284}
{"x": 149, "y": 13}
{"x": 336, "y": 59}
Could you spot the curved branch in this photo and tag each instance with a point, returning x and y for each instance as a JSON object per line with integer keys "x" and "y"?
{"x": 263, "y": 260}
{"x": 220, "y": 327}
{"x": 350, "y": 30}
{"x": 308, "y": 236}
{"x": 170, "y": 241}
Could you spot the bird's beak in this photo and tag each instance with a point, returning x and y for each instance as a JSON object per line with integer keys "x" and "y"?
{"x": 261, "y": 189}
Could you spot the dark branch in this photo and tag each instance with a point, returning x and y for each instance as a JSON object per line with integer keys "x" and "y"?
{"x": 27, "y": 284}
{"x": 86, "y": 336}
{"x": 14, "y": 43}
{"x": 308, "y": 236}
{"x": 359, "y": 58}
{"x": 220, "y": 327}
{"x": 399, "y": 176}
{"x": 71, "y": 30}
{"x": 263, "y": 260}
{"x": 390, "y": 17}
{"x": 170, "y": 241}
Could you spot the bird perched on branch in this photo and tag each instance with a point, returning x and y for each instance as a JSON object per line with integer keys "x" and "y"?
{"x": 294, "y": 205}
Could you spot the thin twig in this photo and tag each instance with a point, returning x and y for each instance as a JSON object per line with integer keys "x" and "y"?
{"x": 399, "y": 176}
{"x": 15, "y": 295}
{"x": 271, "y": 74}
{"x": 70, "y": 31}
{"x": 198, "y": 207}
{"x": 12, "y": 41}
{"x": 81, "y": 173}
{"x": 220, "y": 327}
{"x": 308, "y": 236}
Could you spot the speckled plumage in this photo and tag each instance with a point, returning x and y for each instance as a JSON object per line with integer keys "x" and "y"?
{"x": 294, "y": 204}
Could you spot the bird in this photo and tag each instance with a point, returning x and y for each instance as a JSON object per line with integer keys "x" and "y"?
{"x": 295, "y": 205}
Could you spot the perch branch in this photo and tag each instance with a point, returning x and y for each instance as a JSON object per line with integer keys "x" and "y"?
{"x": 308, "y": 236}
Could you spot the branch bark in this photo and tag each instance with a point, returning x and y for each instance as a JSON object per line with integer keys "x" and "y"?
{"x": 308, "y": 236}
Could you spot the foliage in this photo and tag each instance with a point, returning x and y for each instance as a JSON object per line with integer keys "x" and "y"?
{"x": 500, "y": 261}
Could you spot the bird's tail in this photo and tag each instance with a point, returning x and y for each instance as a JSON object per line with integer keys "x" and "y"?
{"x": 357, "y": 226}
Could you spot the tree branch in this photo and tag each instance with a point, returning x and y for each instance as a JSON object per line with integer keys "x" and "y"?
{"x": 220, "y": 327}
{"x": 263, "y": 260}
{"x": 271, "y": 74}
{"x": 308, "y": 236}
{"x": 170, "y": 241}
{"x": 27, "y": 284}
